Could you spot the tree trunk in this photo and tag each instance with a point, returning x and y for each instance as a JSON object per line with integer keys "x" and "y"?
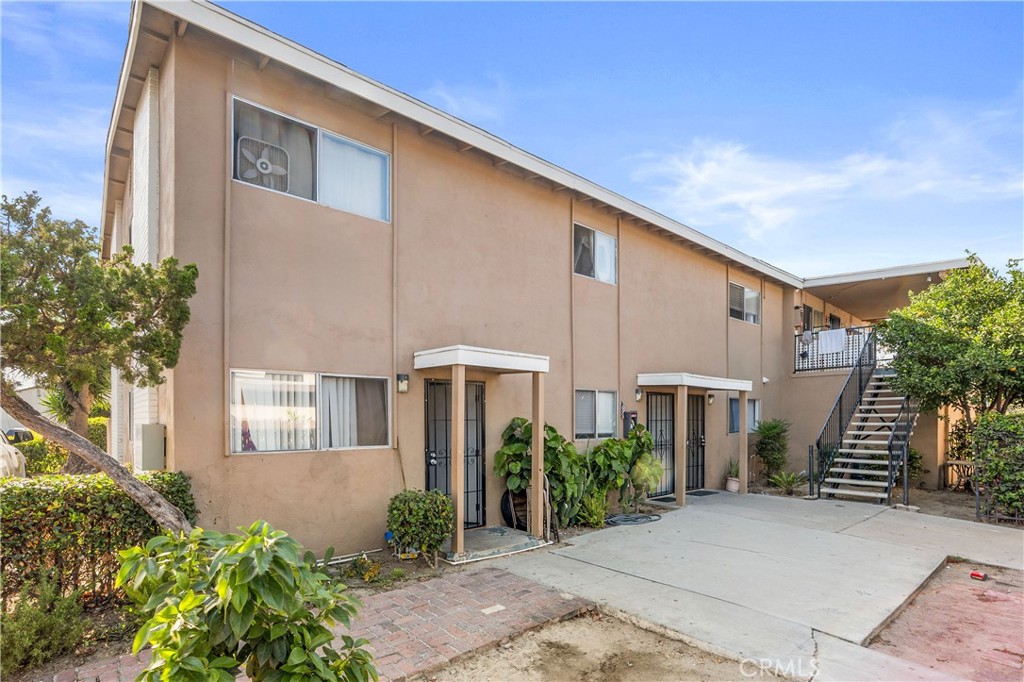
{"x": 156, "y": 505}
{"x": 78, "y": 422}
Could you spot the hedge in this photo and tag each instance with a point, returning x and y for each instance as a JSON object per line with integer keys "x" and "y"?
{"x": 72, "y": 527}
{"x": 43, "y": 457}
{"x": 999, "y": 465}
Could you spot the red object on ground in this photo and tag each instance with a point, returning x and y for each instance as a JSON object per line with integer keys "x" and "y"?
{"x": 979, "y": 575}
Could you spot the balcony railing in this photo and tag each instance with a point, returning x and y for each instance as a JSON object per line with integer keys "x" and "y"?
{"x": 808, "y": 355}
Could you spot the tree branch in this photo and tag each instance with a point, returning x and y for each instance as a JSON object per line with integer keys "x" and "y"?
{"x": 156, "y": 505}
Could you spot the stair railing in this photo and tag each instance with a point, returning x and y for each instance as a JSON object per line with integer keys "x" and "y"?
{"x": 830, "y": 438}
{"x": 899, "y": 448}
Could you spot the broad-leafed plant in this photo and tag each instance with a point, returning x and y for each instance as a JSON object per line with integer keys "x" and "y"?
{"x": 219, "y": 602}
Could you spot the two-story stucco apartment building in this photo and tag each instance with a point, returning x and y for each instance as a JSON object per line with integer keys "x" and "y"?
{"x": 382, "y": 284}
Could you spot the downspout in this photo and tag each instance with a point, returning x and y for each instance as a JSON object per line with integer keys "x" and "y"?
{"x": 226, "y": 263}
{"x": 394, "y": 302}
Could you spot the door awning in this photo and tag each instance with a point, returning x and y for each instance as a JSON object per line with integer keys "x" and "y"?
{"x": 503, "y": 361}
{"x": 693, "y": 381}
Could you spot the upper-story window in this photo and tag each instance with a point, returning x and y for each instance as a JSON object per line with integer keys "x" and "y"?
{"x": 744, "y": 303}
{"x": 595, "y": 254}
{"x": 274, "y": 152}
{"x": 286, "y": 155}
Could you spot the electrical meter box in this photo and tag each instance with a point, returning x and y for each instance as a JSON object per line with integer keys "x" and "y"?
{"x": 153, "y": 447}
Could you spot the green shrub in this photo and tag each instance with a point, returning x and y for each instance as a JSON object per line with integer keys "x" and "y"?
{"x": 98, "y": 432}
{"x": 593, "y": 508}
{"x": 217, "y": 602}
{"x": 733, "y": 470}
{"x": 42, "y": 626}
{"x": 772, "y": 445}
{"x": 421, "y": 520}
{"x": 644, "y": 476}
{"x": 72, "y": 527}
{"x": 788, "y": 481}
{"x": 999, "y": 463}
{"x": 562, "y": 465}
{"x": 42, "y": 457}
{"x": 961, "y": 445}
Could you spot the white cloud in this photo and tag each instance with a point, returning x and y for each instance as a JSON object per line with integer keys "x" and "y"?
{"x": 473, "y": 103}
{"x": 934, "y": 154}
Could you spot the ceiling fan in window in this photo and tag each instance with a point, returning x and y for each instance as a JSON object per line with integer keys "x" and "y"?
{"x": 263, "y": 164}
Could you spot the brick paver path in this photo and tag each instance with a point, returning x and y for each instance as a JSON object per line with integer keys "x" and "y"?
{"x": 420, "y": 627}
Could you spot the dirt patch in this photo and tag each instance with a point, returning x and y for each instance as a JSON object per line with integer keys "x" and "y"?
{"x": 593, "y": 648}
{"x": 954, "y": 504}
{"x": 969, "y": 628}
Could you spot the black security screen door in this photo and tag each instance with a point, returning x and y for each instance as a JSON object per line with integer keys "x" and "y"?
{"x": 661, "y": 424}
{"x": 695, "y": 443}
{"x": 438, "y": 451}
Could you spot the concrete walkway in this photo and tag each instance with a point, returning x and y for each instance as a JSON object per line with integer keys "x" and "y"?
{"x": 797, "y": 586}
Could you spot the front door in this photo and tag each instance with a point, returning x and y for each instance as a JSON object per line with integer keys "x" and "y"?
{"x": 661, "y": 424}
{"x": 695, "y": 443}
{"x": 438, "y": 450}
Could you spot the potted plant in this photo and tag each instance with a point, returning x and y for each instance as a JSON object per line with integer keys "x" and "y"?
{"x": 732, "y": 476}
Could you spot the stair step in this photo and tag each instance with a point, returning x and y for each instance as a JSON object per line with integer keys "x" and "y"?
{"x": 869, "y": 440}
{"x": 866, "y": 472}
{"x": 895, "y": 399}
{"x": 855, "y": 482}
{"x": 871, "y": 423}
{"x": 854, "y": 493}
{"x": 860, "y": 460}
{"x": 861, "y": 451}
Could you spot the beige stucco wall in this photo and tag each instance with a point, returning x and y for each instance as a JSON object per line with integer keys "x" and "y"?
{"x": 473, "y": 255}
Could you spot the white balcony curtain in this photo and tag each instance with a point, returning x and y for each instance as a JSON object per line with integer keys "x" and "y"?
{"x": 354, "y": 178}
{"x": 272, "y": 411}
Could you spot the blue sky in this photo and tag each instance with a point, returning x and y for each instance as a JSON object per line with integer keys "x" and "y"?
{"x": 820, "y": 137}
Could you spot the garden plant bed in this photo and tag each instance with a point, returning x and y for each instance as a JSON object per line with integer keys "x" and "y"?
{"x": 593, "y": 647}
{"x": 968, "y": 628}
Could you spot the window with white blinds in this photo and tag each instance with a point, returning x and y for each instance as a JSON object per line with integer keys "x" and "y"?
{"x": 744, "y": 303}
{"x": 595, "y": 413}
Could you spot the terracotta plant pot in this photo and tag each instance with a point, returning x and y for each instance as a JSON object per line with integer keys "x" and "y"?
{"x": 732, "y": 485}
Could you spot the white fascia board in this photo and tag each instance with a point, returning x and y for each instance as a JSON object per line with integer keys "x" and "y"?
{"x": 693, "y": 381}
{"x": 885, "y": 273}
{"x": 484, "y": 358}
{"x": 238, "y": 30}
{"x": 122, "y": 82}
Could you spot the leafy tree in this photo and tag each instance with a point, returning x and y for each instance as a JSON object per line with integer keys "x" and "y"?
{"x": 66, "y": 317}
{"x": 961, "y": 342}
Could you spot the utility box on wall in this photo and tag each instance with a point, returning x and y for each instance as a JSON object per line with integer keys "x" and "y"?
{"x": 153, "y": 447}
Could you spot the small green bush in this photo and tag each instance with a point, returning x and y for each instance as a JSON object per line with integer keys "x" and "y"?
{"x": 72, "y": 527}
{"x": 593, "y": 508}
{"x": 42, "y": 457}
{"x": 98, "y": 432}
{"x": 421, "y": 520}
{"x": 217, "y": 602}
{"x": 772, "y": 445}
{"x": 645, "y": 475}
{"x": 42, "y": 626}
{"x": 961, "y": 445}
{"x": 788, "y": 481}
{"x": 999, "y": 463}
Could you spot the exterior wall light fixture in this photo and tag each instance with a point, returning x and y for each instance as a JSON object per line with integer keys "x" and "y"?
{"x": 403, "y": 383}
{"x": 711, "y": 398}
{"x": 639, "y": 395}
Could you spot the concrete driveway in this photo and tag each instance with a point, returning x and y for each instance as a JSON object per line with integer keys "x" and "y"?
{"x": 789, "y": 585}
